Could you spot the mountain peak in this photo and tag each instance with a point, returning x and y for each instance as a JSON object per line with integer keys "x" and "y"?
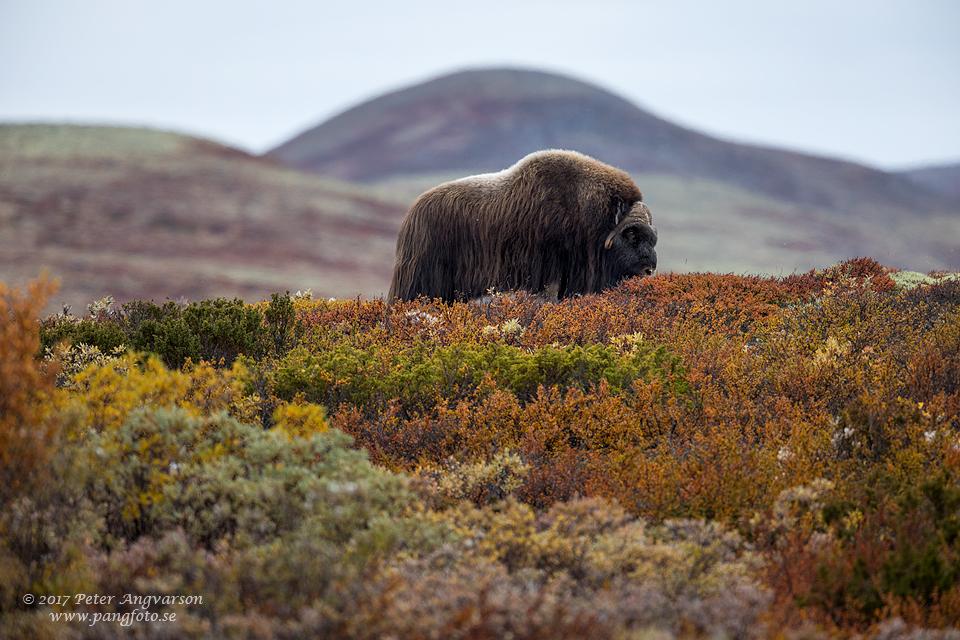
{"x": 486, "y": 119}
{"x": 474, "y": 120}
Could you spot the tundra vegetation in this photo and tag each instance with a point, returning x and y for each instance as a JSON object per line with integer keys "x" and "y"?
{"x": 685, "y": 455}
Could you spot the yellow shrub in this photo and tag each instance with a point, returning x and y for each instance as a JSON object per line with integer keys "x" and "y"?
{"x": 105, "y": 394}
{"x": 302, "y": 420}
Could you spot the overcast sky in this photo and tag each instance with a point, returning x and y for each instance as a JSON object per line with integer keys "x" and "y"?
{"x": 876, "y": 81}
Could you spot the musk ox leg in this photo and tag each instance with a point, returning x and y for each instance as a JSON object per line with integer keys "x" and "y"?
{"x": 562, "y": 287}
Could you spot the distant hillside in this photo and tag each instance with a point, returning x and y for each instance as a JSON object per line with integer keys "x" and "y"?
{"x": 484, "y": 120}
{"x": 135, "y": 213}
{"x": 943, "y": 179}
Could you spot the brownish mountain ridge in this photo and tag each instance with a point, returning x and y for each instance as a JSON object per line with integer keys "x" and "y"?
{"x": 943, "y": 179}
{"x": 135, "y": 213}
{"x": 485, "y": 120}
{"x": 719, "y": 206}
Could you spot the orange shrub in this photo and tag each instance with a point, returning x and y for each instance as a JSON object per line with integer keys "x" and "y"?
{"x": 25, "y": 430}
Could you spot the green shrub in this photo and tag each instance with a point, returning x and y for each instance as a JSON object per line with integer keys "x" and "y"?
{"x": 282, "y": 323}
{"x": 106, "y": 336}
{"x": 925, "y": 561}
{"x": 218, "y": 479}
{"x": 419, "y": 377}
{"x": 210, "y": 330}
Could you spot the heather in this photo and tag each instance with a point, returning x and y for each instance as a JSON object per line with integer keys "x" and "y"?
{"x": 686, "y": 455}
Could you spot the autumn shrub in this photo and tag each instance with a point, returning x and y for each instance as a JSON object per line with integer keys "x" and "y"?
{"x": 211, "y": 330}
{"x": 886, "y": 547}
{"x": 104, "y": 336}
{"x": 767, "y": 375}
{"x": 933, "y": 369}
{"x": 103, "y": 395}
{"x": 686, "y": 455}
{"x": 44, "y": 519}
{"x": 856, "y": 273}
{"x": 25, "y": 428}
{"x": 45, "y": 533}
{"x": 216, "y": 479}
{"x": 420, "y": 377}
{"x": 474, "y": 417}
{"x": 479, "y": 600}
{"x": 726, "y": 302}
{"x": 589, "y": 561}
{"x": 595, "y": 542}
{"x": 879, "y": 370}
{"x": 842, "y": 346}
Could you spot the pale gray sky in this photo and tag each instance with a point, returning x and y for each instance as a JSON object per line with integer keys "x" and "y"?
{"x": 876, "y": 81}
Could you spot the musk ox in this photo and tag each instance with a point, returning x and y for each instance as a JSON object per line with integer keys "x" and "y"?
{"x": 554, "y": 220}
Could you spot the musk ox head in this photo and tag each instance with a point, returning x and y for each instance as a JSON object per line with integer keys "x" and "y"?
{"x": 554, "y": 220}
{"x": 630, "y": 247}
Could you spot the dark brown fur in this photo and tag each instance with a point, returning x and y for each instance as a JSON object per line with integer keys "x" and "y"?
{"x": 543, "y": 222}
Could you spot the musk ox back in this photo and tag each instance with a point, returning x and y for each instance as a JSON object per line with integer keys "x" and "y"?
{"x": 555, "y": 219}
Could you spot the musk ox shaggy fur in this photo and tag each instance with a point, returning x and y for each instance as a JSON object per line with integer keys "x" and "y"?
{"x": 554, "y": 220}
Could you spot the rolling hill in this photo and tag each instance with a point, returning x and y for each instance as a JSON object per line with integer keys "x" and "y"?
{"x": 718, "y": 205}
{"x": 485, "y": 120}
{"x": 943, "y": 179}
{"x": 135, "y": 213}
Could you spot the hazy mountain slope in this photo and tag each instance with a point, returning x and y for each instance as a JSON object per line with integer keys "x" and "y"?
{"x": 484, "y": 120}
{"x": 135, "y": 213}
{"x": 707, "y": 225}
{"x": 944, "y": 179}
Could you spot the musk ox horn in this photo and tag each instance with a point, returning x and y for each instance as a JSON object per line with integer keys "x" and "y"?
{"x": 638, "y": 213}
